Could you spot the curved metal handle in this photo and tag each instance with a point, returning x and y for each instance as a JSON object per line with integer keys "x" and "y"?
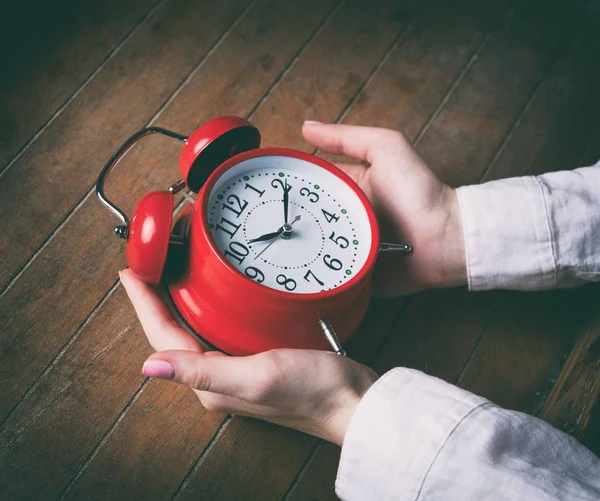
{"x": 122, "y": 230}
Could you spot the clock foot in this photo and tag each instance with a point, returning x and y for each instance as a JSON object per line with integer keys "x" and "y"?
{"x": 404, "y": 248}
{"x": 331, "y": 336}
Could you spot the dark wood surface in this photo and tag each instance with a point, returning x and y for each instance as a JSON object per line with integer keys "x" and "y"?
{"x": 485, "y": 90}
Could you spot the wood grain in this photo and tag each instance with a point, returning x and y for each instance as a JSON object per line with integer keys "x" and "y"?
{"x": 520, "y": 354}
{"x": 49, "y": 50}
{"x": 561, "y": 118}
{"x": 56, "y": 172}
{"x": 333, "y": 68}
{"x": 255, "y": 473}
{"x": 515, "y": 60}
{"x": 61, "y": 287}
{"x": 574, "y": 403}
{"x": 72, "y": 407}
{"x": 73, "y": 273}
{"x": 77, "y": 420}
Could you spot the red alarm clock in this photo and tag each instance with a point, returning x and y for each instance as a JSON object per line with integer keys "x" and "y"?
{"x": 276, "y": 251}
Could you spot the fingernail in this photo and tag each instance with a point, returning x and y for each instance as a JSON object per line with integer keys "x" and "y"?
{"x": 312, "y": 122}
{"x": 120, "y": 276}
{"x": 158, "y": 369}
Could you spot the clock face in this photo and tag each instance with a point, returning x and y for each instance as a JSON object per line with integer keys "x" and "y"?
{"x": 325, "y": 242}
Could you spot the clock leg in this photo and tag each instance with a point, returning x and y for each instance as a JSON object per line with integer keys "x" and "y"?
{"x": 404, "y": 248}
{"x": 331, "y": 336}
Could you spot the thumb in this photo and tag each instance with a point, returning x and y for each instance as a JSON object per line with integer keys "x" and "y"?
{"x": 219, "y": 374}
{"x": 362, "y": 143}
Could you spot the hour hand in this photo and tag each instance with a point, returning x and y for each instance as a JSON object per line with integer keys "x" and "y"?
{"x": 267, "y": 236}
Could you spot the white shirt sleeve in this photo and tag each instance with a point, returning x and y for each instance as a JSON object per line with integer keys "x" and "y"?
{"x": 533, "y": 232}
{"x": 416, "y": 437}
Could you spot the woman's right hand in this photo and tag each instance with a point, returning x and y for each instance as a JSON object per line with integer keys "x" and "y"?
{"x": 411, "y": 203}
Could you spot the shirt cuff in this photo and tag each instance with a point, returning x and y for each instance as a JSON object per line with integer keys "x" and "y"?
{"x": 508, "y": 241}
{"x": 396, "y": 432}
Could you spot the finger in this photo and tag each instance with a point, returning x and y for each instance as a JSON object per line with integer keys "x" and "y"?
{"x": 214, "y": 353}
{"x": 162, "y": 331}
{"x": 354, "y": 171}
{"x": 240, "y": 377}
{"x": 362, "y": 143}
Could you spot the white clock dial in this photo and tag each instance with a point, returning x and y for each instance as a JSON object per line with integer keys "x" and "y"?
{"x": 330, "y": 235}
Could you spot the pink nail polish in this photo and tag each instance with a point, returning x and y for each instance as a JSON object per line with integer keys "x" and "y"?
{"x": 158, "y": 369}
{"x": 312, "y": 122}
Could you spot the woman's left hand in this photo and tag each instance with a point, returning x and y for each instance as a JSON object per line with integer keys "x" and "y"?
{"x": 312, "y": 391}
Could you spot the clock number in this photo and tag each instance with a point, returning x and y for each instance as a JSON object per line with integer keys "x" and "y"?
{"x": 288, "y": 283}
{"x": 230, "y": 224}
{"x": 340, "y": 240}
{"x": 312, "y": 196}
{"x": 278, "y": 181}
{"x": 260, "y": 193}
{"x": 333, "y": 263}
{"x": 237, "y": 251}
{"x": 329, "y": 216}
{"x": 234, "y": 199}
{"x": 308, "y": 273}
{"x": 255, "y": 274}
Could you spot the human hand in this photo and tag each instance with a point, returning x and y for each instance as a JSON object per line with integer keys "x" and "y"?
{"x": 411, "y": 203}
{"x": 312, "y": 391}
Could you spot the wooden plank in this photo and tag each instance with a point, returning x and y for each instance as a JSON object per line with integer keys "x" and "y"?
{"x": 421, "y": 69}
{"x": 55, "y": 173}
{"x": 561, "y": 119}
{"x": 333, "y": 69}
{"x": 49, "y": 50}
{"x": 439, "y": 344}
{"x": 349, "y": 21}
{"x": 40, "y": 449}
{"x": 72, "y": 408}
{"x": 72, "y": 274}
{"x": 512, "y": 74}
{"x": 521, "y": 352}
{"x": 573, "y": 405}
{"x": 62, "y": 286}
{"x": 235, "y": 458}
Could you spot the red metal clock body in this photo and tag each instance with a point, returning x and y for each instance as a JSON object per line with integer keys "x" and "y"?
{"x": 242, "y": 317}
{"x": 218, "y": 302}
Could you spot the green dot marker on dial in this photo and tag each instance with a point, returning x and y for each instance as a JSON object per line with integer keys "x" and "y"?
{"x": 344, "y": 211}
{"x": 355, "y": 242}
{"x": 281, "y": 174}
{"x": 316, "y": 186}
{"x": 246, "y": 178}
{"x": 348, "y": 272}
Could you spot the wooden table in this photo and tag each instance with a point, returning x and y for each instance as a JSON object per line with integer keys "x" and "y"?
{"x": 484, "y": 91}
